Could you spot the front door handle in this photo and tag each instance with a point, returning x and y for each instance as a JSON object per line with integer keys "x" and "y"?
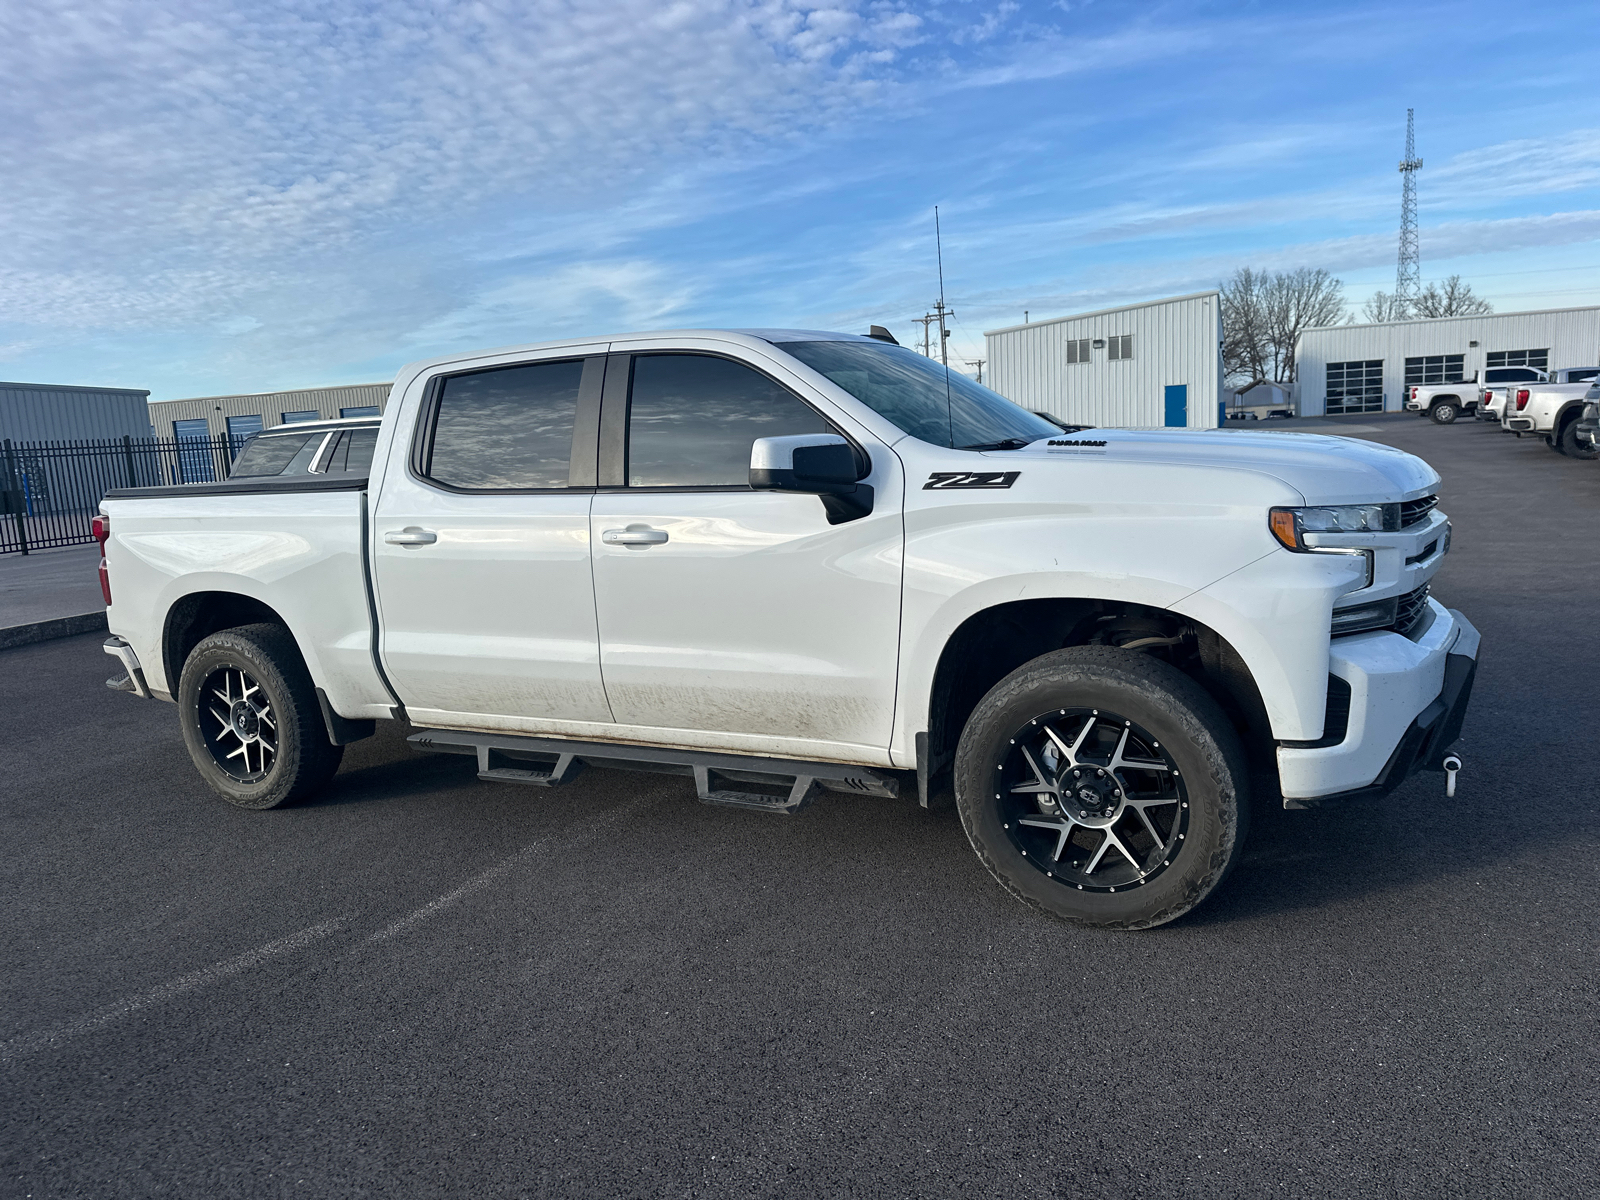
{"x": 634, "y": 535}
{"x": 411, "y": 535}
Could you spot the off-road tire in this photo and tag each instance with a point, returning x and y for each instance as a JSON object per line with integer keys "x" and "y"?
{"x": 1444, "y": 413}
{"x": 1567, "y": 442}
{"x": 1141, "y": 692}
{"x": 302, "y": 760}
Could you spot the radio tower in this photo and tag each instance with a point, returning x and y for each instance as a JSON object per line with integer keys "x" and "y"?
{"x": 1408, "y": 276}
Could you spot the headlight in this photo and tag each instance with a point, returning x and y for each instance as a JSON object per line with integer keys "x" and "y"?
{"x": 1289, "y": 525}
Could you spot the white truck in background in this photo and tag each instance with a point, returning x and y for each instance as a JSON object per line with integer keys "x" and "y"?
{"x": 1442, "y": 403}
{"x": 1498, "y": 399}
{"x": 785, "y": 561}
{"x": 1553, "y": 410}
{"x": 1498, "y": 384}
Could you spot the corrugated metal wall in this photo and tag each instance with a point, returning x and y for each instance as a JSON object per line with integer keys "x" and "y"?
{"x": 40, "y": 412}
{"x": 269, "y": 406}
{"x": 1175, "y": 341}
{"x": 1572, "y": 335}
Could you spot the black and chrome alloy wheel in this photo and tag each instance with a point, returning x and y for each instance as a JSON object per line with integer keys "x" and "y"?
{"x": 1103, "y": 786}
{"x": 1091, "y": 799}
{"x": 251, "y": 719}
{"x": 240, "y": 728}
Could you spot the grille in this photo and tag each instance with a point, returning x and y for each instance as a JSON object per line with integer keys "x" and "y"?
{"x": 1412, "y": 608}
{"x": 1412, "y": 511}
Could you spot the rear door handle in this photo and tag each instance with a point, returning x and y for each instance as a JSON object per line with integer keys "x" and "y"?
{"x": 634, "y": 535}
{"x": 411, "y": 535}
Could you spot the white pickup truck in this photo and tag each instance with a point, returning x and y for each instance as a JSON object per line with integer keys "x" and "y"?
{"x": 782, "y": 561}
{"x": 1442, "y": 403}
{"x": 1499, "y": 383}
{"x": 1551, "y": 409}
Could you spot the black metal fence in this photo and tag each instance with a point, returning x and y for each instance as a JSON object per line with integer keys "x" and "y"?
{"x": 50, "y": 491}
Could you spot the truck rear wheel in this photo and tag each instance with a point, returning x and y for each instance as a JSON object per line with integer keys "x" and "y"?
{"x": 1567, "y": 442}
{"x": 251, "y": 720}
{"x": 1103, "y": 786}
{"x": 1445, "y": 412}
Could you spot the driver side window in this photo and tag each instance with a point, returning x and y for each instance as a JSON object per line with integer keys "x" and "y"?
{"x": 692, "y": 419}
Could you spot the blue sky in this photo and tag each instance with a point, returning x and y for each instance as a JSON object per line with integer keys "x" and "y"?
{"x": 205, "y": 198}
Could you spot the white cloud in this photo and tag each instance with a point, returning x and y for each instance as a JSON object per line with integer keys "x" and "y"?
{"x": 168, "y": 155}
{"x": 565, "y": 300}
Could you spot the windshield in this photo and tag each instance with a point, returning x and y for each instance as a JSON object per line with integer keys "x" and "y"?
{"x": 911, "y": 392}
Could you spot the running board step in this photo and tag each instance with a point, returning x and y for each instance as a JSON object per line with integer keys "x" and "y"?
{"x": 548, "y": 762}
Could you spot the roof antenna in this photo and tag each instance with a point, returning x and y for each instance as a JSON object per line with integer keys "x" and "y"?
{"x": 944, "y": 348}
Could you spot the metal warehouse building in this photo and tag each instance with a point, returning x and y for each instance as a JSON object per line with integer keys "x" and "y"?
{"x": 1366, "y": 368}
{"x": 238, "y": 417}
{"x": 41, "y": 412}
{"x": 1158, "y": 363}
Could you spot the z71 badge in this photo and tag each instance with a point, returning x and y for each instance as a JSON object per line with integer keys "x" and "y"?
{"x": 940, "y": 480}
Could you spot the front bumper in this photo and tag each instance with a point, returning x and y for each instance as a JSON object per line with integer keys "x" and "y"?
{"x": 1407, "y": 701}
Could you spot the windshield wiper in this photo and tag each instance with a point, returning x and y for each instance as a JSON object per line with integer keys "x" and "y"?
{"x": 1008, "y": 444}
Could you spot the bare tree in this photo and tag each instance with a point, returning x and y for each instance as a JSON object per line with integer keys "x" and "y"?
{"x": 1383, "y": 308}
{"x": 1244, "y": 327}
{"x": 1450, "y": 299}
{"x": 1296, "y": 301}
{"x": 1264, "y": 314}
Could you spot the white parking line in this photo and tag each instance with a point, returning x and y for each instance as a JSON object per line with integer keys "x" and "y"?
{"x": 589, "y": 831}
{"x": 31, "y": 1043}
{"x": 466, "y": 889}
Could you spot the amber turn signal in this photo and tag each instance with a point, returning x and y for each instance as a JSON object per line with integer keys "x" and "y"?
{"x": 1281, "y": 522}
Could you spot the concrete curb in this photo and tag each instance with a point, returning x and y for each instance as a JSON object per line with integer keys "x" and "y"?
{"x": 48, "y": 631}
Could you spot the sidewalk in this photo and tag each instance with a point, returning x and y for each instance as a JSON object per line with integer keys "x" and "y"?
{"x": 49, "y": 594}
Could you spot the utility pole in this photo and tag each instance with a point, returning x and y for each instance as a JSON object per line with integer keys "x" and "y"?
{"x": 925, "y": 321}
{"x": 1408, "y": 274}
{"x": 977, "y": 362}
{"x": 941, "y": 312}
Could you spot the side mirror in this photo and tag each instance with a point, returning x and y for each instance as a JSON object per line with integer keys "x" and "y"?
{"x": 817, "y": 464}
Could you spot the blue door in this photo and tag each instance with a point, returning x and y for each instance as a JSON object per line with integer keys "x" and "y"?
{"x": 193, "y": 439}
{"x": 240, "y": 428}
{"x": 1177, "y": 405}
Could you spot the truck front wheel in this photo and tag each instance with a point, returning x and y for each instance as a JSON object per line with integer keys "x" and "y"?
{"x": 251, "y": 720}
{"x": 1444, "y": 413}
{"x": 1103, "y": 786}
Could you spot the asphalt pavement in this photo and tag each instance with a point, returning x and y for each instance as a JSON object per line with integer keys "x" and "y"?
{"x": 423, "y": 985}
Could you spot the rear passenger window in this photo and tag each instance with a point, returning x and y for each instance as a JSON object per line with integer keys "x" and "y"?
{"x": 692, "y": 418}
{"x": 352, "y": 452}
{"x": 506, "y": 429}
